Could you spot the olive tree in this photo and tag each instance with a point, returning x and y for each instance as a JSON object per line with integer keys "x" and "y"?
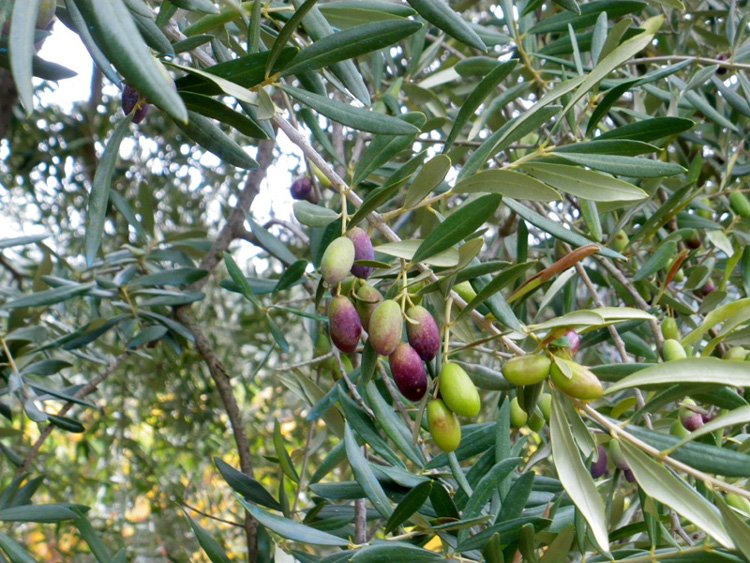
{"x": 504, "y": 319}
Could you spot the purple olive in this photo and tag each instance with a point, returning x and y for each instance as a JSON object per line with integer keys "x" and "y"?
{"x": 130, "y": 97}
{"x": 424, "y": 335}
{"x": 301, "y": 188}
{"x": 599, "y": 467}
{"x": 141, "y": 113}
{"x": 693, "y": 421}
{"x": 408, "y": 372}
{"x": 629, "y": 477}
{"x": 362, "y": 251}
{"x": 344, "y": 324}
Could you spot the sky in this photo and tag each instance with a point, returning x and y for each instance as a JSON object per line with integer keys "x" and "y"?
{"x": 64, "y": 47}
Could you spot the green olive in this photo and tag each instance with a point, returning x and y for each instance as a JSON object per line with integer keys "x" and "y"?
{"x": 527, "y": 370}
{"x": 444, "y": 426}
{"x": 582, "y": 383}
{"x": 458, "y": 391}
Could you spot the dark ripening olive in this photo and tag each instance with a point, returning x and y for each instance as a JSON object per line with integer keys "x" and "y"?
{"x": 366, "y": 299}
{"x": 301, "y": 188}
{"x": 337, "y": 261}
{"x": 692, "y": 239}
{"x": 344, "y": 324}
{"x": 141, "y": 112}
{"x": 362, "y": 251}
{"x": 527, "y": 370}
{"x": 458, "y": 390}
{"x": 423, "y": 333}
{"x": 130, "y": 97}
{"x": 693, "y": 422}
{"x": 582, "y": 383}
{"x": 385, "y": 327}
{"x": 599, "y": 467}
{"x": 444, "y": 426}
{"x": 408, "y": 372}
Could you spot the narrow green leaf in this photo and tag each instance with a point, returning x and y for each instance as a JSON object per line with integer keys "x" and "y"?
{"x": 622, "y": 147}
{"x": 584, "y": 183}
{"x": 208, "y": 135}
{"x": 272, "y": 243}
{"x": 498, "y": 282}
{"x": 354, "y": 117}
{"x": 209, "y": 107}
{"x": 383, "y": 148}
{"x": 373, "y": 200}
{"x": 40, "y": 513}
{"x": 508, "y": 183}
{"x": 394, "y": 551}
{"x": 658, "y": 260}
{"x": 691, "y": 370}
{"x": 351, "y": 43}
{"x": 249, "y": 488}
{"x": 429, "y": 177}
{"x": 286, "y": 33}
{"x": 392, "y": 425}
{"x": 177, "y": 277}
{"x": 575, "y": 477}
{"x": 291, "y": 275}
{"x": 365, "y": 476}
{"x": 731, "y": 315}
{"x": 412, "y": 502}
{"x": 735, "y": 526}
{"x": 95, "y": 543}
{"x": 49, "y": 297}
{"x": 208, "y": 543}
{"x": 99, "y": 196}
{"x": 483, "y": 89}
{"x": 624, "y": 165}
{"x": 21, "y": 48}
{"x": 589, "y": 13}
{"x": 439, "y": 13}
{"x": 240, "y": 280}
{"x": 365, "y": 429}
{"x": 661, "y": 484}
{"x": 555, "y": 229}
{"x": 21, "y": 241}
{"x": 203, "y": 6}
{"x": 460, "y": 224}
{"x": 406, "y": 249}
{"x": 284, "y": 460}
{"x": 486, "y": 487}
{"x": 649, "y": 130}
{"x": 313, "y": 215}
{"x": 114, "y": 31}
{"x": 614, "y": 59}
{"x": 318, "y": 27}
{"x": 704, "y": 457}
{"x": 13, "y": 549}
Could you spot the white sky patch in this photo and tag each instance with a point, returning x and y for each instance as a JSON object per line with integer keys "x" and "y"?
{"x": 64, "y": 47}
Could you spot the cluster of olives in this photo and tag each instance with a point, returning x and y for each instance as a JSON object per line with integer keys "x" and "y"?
{"x": 362, "y": 308}
{"x": 529, "y": 372}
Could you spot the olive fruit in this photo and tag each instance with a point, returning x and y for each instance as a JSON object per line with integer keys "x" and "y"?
{"x": 366, "y": 299}
{"x": 736, "y": 501}
{"x": 616, "y": 452}
{"x": 582, "y": 384}
{"x": 599, "y": 467}
{"x": 545, "y": 405}
{"x": 444, "y": 426}
{"x": 458, "y": 390}
{"x": 465, "y": 291}
{"x": 693, "y": 421}
{"x": 385, "y": 327}
{"x": 423, "y": 333}
{"x": 362, "y": 251}
{"x": 302, "y": 188}
{"x": 673, "y": 350}
{"x": 692, "y": 239}
{"x": 739, "y": 204}
{"x": 737, "y": 353}
{"x": 536, "y": 421}
{"x": 337, "y": 260}
{"x": 669, "y": 329}
{"x": 132, "y": 103}
{"x": 527, "y": 370}
{"x": 620, "y": 241}
{"x": 518, "y": 416}
{"x": 344, "y": 324}
{"x": 408, "y": 372}
{"x": 678, "y": 429}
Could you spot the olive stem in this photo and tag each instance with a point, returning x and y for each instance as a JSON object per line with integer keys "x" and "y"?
{"x": 617, "y": 432}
